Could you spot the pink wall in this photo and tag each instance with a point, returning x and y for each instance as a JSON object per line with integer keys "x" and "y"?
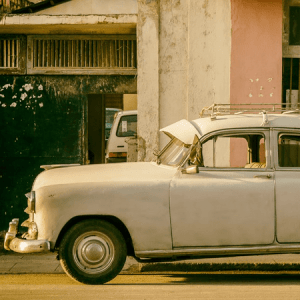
{"x": 256, "y": 53}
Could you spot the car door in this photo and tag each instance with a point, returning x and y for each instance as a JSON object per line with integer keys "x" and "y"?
{"x": 287, "y": 174}
{"x": 231, "y": 200}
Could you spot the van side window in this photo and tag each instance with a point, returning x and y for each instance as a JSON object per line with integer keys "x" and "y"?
{"x": 127, "y": 126}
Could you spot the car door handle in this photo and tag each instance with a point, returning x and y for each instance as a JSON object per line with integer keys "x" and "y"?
{"x": 268, "y": 176}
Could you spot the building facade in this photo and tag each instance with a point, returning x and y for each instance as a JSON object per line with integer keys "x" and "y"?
{"x": 61, "y": 62}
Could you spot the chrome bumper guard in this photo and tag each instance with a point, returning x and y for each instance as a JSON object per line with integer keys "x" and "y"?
{"x": 21, "y": 245}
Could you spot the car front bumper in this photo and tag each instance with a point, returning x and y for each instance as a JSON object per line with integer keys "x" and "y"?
{"x": 23, "y": 245}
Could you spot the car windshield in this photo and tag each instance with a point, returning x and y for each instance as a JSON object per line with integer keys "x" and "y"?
{"x": 174, "y": 153}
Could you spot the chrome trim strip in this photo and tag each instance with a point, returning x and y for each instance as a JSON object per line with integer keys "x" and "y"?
{"x": 226, "y": 251}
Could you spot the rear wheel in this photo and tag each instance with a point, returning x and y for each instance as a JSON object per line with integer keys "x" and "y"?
{"x": 93, "y": 252}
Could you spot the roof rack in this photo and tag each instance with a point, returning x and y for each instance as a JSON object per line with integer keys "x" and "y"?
{"x": 241, "y": 108}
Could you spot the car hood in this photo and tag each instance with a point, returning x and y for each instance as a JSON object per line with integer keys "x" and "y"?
{"x": 119, "y": 172}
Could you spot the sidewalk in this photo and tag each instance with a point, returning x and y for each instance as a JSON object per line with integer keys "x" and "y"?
{"x": 14, "y": 263}
{"x": 42, "y": 264}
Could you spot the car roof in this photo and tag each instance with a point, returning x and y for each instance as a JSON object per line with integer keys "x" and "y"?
{"x": 207, "y": 124}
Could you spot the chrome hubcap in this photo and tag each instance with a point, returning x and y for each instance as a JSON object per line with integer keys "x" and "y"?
{"x": 93, "y": 252}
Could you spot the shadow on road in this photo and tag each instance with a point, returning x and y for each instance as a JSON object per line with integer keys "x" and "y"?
{"x": 235, "y": 279}
{"x": 208, "y": 279}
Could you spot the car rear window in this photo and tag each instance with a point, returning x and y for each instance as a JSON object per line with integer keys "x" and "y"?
{"x": 127, "y": 126}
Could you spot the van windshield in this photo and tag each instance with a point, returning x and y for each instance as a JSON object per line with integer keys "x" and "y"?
{"x": 127, "y": 126}
{"x": 174, "y": 153}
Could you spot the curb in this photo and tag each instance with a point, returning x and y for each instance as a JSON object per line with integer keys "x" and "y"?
{"x": 213, "y": 267}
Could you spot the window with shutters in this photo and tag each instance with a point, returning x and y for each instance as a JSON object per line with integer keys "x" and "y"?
{"x": 106, "y": 54}
{"x": 12, "y": 54}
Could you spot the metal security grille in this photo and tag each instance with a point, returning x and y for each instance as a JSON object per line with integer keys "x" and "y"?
{"x": 12, "y": 54}
{"x": 291, "y": 54}
{"x": 9, "y": 53}
{"x": 101, "y": 54}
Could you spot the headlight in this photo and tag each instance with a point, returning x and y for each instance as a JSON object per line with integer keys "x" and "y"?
{"x": 31, "y": 201}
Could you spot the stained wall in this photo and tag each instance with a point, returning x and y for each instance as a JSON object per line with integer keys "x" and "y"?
{"x": 43, "y": 120}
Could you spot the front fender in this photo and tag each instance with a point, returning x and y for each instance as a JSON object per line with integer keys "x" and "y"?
{"x": 142, "y": 208}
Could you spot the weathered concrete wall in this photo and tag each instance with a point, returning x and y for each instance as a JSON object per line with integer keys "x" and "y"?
{"x": 43, "y": 120}
{"x": 173, "y": 63}
{"x": 68, "y": 24}
{"x": 148, "y": 77}
{"x": 209, "y": 54}
{"x": 182, "y": 66}
{"x": 88, "y": 7}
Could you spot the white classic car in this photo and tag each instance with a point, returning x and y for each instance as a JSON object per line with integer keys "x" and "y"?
{"x": 225, "y": 185}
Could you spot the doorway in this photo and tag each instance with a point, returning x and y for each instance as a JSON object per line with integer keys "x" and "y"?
{"x": 101, "y": 111}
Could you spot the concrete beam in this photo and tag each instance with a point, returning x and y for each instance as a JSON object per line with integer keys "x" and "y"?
{"x": 45, "y": 24}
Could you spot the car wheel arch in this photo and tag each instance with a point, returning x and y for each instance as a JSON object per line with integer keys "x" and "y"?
{"x": 110, "y": 219}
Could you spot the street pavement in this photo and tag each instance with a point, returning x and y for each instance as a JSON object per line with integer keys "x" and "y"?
{"x": 40, "y": 276}
{"x": 15, "y": 263}
{"x": 46, "y": 263}
{"x": 171, "y": 286}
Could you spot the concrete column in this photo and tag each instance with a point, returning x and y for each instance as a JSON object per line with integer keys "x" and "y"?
{"x": 209, "y": 49}
{"x": 173, "y": 58}
{"x": 148, "y": 78}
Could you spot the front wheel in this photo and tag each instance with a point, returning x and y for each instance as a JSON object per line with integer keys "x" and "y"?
{"x": 93, "y": 252}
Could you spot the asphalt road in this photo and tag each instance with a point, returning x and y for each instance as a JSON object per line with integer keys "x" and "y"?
{"x": 168, "y": 286}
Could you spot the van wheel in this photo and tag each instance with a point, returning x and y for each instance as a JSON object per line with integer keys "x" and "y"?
{"x": 93, "y": 252}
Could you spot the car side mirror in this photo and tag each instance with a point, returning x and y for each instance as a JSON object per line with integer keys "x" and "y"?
{"x": 190, "y": 170}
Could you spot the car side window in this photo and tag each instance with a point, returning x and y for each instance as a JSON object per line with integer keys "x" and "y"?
{"x": 235, "y": 151}
{"x": 289, "y": 150}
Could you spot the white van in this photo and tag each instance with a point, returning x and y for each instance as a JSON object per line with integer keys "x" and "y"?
{"x": 124, "y": 126}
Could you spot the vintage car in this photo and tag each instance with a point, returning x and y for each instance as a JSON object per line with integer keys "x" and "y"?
{"x": 225, "y": 185}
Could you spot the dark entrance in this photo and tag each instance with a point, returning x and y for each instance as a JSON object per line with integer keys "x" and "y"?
{"x": 100, "y": 118}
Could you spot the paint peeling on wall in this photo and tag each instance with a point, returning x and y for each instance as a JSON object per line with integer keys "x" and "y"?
{"x": 11, "y": 96}
{"x": 260, "y": 88}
